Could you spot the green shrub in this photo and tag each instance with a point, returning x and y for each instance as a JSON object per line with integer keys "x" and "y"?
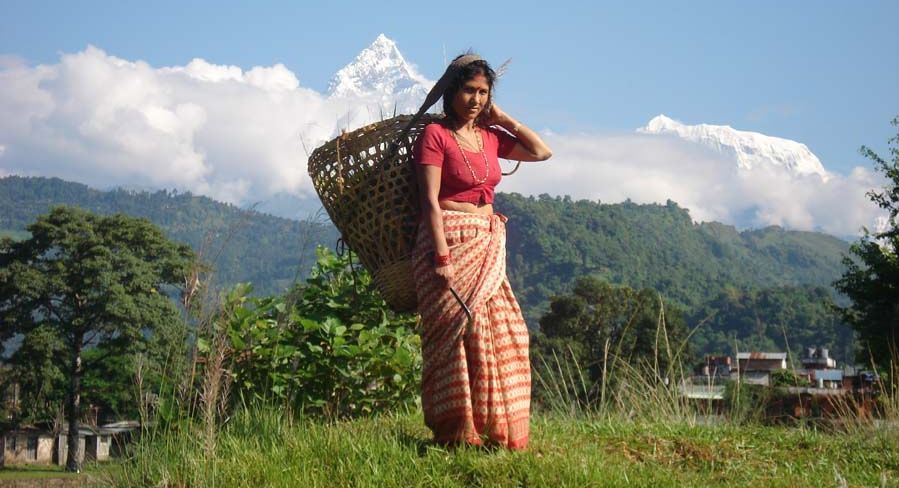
{"x": 787, "y": 377}
{"x": 746, "y": 402}
{"x": 329, "y": 347}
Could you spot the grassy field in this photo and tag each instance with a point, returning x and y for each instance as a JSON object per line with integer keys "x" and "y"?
{"x": 263, "y": 447}
{"x": 33, "y": 472}
{"x": 55, "y": 476}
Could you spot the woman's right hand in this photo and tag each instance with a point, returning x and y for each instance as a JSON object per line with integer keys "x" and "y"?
{"x": 445, "y": 274}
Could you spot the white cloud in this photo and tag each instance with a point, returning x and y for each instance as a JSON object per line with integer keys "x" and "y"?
{"x": 238, "y": 135}
{"x": 652, "y": 169}
{"x": 211, "y": 129}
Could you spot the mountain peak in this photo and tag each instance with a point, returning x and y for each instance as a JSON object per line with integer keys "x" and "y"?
{"x": 379, "y": 70}
{"x": 384, "y": 41}
{"x": 660, "y": 123}
{"x": 751, "y": 149}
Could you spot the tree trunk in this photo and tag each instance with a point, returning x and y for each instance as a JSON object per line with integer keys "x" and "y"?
{"x": 75, "y": 455}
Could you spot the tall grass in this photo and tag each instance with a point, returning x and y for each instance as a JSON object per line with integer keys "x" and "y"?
{"x": 640, "y": 390}
{"x": 633, "y": 392}
{"x": 631, "y": 426}
{"x": 642, "y": 437}
{"x": 264, "y": 446}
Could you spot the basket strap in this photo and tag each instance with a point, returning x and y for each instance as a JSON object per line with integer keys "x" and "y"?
{"x": 510, "y": 173}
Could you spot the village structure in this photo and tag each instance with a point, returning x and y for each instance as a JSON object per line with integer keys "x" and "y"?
{"x": 44, "y": 444}
{"x": 816, "y": 367}
{"x": 47, "y": 443}
{"x": 816, "y": 380}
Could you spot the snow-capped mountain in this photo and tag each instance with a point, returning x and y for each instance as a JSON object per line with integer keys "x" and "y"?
{"x": 751, "y": 149}
{"x": 380, "y": 73}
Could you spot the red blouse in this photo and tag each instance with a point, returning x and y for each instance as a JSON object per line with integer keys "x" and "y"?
{"x": 437, "y": 147}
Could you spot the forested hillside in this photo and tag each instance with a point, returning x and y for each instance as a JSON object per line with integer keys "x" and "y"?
{"x": 242, "y": 245}
{"x": 772, "y": 319}
{"x": 765, "y": 289}
{"x": 552, "y": 240}
{"x": 749, "y": 282}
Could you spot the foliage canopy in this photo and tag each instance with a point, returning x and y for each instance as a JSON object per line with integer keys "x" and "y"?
{"x": 603, "y": 328}
{"x": 330, "y": 347}
{"x": 87, "y": 282}
{"x": 873, "y": 283}
{"x": 242, "y": 245}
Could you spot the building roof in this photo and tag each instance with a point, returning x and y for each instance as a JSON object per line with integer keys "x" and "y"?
{"x": 703, "y": 392}
{"x": 762, "y": 355}
{"x": 122, "y": 424}
{"x": 120, "y": 427}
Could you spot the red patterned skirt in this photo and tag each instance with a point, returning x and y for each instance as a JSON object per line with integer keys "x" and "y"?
{"x": 476, "y": 377}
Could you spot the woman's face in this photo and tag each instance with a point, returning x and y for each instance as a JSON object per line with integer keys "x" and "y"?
{"x": 471, "y": 98}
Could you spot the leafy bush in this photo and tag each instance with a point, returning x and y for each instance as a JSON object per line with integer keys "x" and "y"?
{"x": 330, "y": 346}
{"x": 601, "y": 324}
{"x": 606, "y": 348}
{"x": 788, "y": 377}
{"x": 746, "y": 402}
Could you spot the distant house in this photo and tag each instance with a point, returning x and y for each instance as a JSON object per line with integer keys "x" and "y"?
{"x": 756, "y": 367}
{"x": 28, "y": 445}
{"x": 713, "y": 369}
{"x": 821, "y": 369}
{"x": 34, "y": 445}
{"x": 119, "y": 433}
{"x": 92, "y": 441}
{"x": 860, "y": 381}
{"x": 818, "y": 358}
{"x": 827, "y": 378}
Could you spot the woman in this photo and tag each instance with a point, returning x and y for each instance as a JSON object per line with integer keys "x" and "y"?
{"x": 476, "y": 377}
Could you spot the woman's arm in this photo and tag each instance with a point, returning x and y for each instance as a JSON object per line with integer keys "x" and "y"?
{"x": 432, "y": 216}
{"x": 530, "y": 146}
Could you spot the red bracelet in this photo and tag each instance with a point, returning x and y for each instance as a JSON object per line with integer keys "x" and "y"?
{"x": 441, "y": 261}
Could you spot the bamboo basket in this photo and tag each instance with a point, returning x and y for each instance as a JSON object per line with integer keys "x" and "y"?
{"x": 366, "y": 182}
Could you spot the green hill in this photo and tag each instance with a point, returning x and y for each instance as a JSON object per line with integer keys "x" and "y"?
{"x": 765, "y": 289}
{"x": 551, "y": 241}
{"x": 242, "y": 245}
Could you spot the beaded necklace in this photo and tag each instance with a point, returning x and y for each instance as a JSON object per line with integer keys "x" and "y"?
{"x": 468, "y": 163}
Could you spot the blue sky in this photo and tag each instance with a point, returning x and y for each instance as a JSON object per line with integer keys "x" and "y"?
{"x": 823, "y": 73}
{"x": 222, "y": 99}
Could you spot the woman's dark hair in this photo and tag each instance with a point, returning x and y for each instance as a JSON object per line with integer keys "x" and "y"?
{"x": 466, "y": 73}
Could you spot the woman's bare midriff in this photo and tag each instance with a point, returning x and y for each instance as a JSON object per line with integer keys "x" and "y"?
{"x": 485, "y": 209}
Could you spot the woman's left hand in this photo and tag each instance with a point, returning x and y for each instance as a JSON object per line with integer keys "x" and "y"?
{"x": 530, "y": 147}
{"x": 496, "y": 116}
